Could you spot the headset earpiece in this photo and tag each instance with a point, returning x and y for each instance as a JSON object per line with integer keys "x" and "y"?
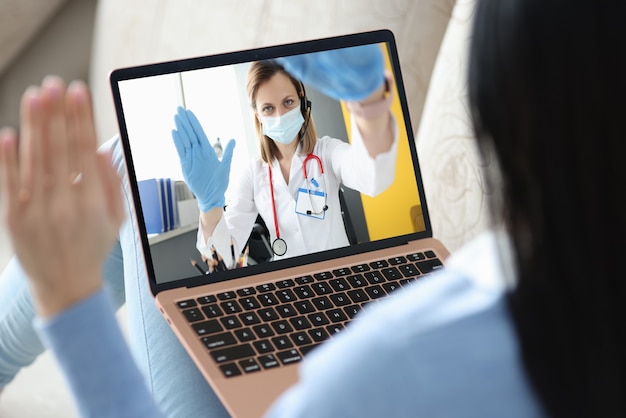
{"x": 305, "y": 103}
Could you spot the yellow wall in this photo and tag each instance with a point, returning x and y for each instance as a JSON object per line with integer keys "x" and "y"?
{"x": 390, "y": 213}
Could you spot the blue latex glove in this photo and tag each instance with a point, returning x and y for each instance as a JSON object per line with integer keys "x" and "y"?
{"x": 204, "y": 173}
{"x": 343, "y": 74}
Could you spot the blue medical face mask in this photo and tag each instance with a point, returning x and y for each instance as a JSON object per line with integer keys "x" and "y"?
{"x": 283, "y": 128}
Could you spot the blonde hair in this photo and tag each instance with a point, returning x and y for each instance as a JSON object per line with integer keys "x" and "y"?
{"x": 259, "y": 73}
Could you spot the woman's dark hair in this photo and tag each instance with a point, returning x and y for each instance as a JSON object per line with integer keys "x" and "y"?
{"x": 547, "y": 92}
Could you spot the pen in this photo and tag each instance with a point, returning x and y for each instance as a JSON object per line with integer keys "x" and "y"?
{"x": 232, "y": 252}
{"x": 220, "y": 262}
{"x": 197, "y": 266}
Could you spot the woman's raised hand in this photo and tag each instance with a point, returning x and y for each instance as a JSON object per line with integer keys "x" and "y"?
{"x": 61, "y": 199}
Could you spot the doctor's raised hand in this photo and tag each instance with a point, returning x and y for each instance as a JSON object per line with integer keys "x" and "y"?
{"x": 62, "y": 203}
{"x": 206, "y": 176}
{"x": 356, "y": 76}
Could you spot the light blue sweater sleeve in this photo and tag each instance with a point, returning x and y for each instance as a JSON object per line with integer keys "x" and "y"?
{"x": 98, "y": 366}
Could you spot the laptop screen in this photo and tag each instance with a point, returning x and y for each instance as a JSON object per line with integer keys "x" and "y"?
{"x": 213, "y": 88}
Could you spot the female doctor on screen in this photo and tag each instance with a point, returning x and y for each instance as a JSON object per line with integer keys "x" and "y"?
{"x": 294, "y": 184}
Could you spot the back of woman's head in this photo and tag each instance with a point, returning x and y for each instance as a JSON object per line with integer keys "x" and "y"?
{"x": 547, "y": 87}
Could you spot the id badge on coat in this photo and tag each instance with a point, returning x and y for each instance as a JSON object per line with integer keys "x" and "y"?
{"x": 311, "y": 203}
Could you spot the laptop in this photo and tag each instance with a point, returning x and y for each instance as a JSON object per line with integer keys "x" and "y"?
{"x": 248, "y": 327}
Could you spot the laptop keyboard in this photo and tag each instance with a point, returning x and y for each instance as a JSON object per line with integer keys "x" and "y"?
{"x": 280, "y": 322}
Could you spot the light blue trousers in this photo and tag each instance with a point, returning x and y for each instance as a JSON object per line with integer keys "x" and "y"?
{"x": 178, "y": 387}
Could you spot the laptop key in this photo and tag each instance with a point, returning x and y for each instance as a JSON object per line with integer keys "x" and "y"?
{"x": 324, "y": 275}
{"x": 375, "y": 292}
{"x": 286, "y": 295}
{"x": 263, "y": 330}
{"x": 304, "y": 292}
{"x": 249, "y": 318}
{"x": 233, "y": 353}
{"x": 360, "y": 268}
{"x": 357, "y": 280}
{"x": 212, "y": 311}
{"x": 249, "y": 365}
{"x": 352, "y": 310}
{"x": 207, "y": 327}
{"x": 358, "y": 295}
{"x": 231, "y": 307}
{"x": 321, "y": 288}
{"x": 304, "y": 279}
{"x": 226, "y": 295}
{"x": 184, "y": 304}
{"x": 263, "y": 346}
{"x": 218, "y": 340}
{"x": 231, "y": 322}
{"x": 430, "y": 254}
{"x": 286, "y": 311}
{"x": 318, "y": 334}
{"x": 281, "y": 327}
{"x": 317, "y": 319}
{"x": 246, "y": 291}
{"x": 339, "y": 284}
{"x": 300, "y": 338}
{"x": 300, "y": 323}
{"x": 322, "y": 303}
{"x": 230, "y": 370}
{"x": 409, "y": 270}
{"x": 266, "y": 287}
{"x": 374, "y": 277}
{"x": 391, "y": 286}
{"x": 379, "y": 264}
{"x": 205, "y": 300}
{"x": 285, "y": 283}
{"x": 334, "y": 329}
{"x": 267, "y": 314}
{"x": 416, "y": 257}
{"x": 282, "y": 342}
{"x": 397, "y": 260}
{"x": 244, "y": 334}
{"x": 340, "y": 299}
{"x": 336, "y": 315}
{"x": 304, "y": 307}
{"x": 392, "y": 273}
{"x": 342, "y": 272}
{"x": 268, "y": 299}
{"x": 268, "y": 361}
{"x": 289, "y": 356}
{"x": 193, "y": 315}
{"x": 249, "y": 303}
{"x": 429, "y": 266}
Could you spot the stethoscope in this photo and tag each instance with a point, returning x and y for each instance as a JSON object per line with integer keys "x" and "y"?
{"x": 279, "y": 246}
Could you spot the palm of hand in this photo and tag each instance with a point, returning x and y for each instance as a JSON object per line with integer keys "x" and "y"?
{"x": 206, "y": 176}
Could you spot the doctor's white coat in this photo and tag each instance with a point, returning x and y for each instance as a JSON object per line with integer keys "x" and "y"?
{"x": 345, "y": 163}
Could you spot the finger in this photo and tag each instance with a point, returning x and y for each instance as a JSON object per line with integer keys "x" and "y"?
{"x": 228, "y": 152}
{"x": 79, "y": 107}
{"x": 55, "y": 138}
{"x": 179, "y": 143}
{"x": 9, "y": 172}
{"x": 183, "y": 128}
{"x": 199, "y": 134}
{"x": 29, "y": 148}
